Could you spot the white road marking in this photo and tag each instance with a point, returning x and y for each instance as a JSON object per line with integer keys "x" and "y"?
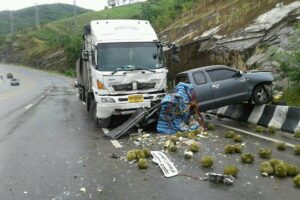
{"x": 42, "y": 96}
{"x": 257, "y": 135}
{"x": 29, "y": 106}
{"x": 116, "y": 144}
{"x": 105, "y": 131}
{"x": 83, "y": 103}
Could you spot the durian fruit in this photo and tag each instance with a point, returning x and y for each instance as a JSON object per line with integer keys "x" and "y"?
{"x": 229, "y": 149}
{"x": 296, "y": 180}
{"x": 229, "y": 134}
{"x": 173, "y": 139}
{"x": 238, "y": 148}
{"x": 281, "y": 146}
{"x": 274, "y": 162}
{"x": 272, "y": 130}
{"x": 281, "y": 170}
{"x": 237, "y": 138}
{"x": 210, "y": 126}
{"x": 259, "y": 129}
{"x": 292, "y": 170}
{"x": 297, "y": 134}
{"x": 167, "y": 144}
{"x": 297, "y": 149}
{"x": 191, "y": 135}
{"x": 207, "y": 161}
{"x": 130, "y": 156}
{"x": 196, "y": 131}
{"x": 247, "y": 158}
{"x": 179, "y": 134}
{"x": 231, "y": 170}
{"x": 172, "y": 148}
{"x": 143, "y": 164}
{"x": 264, "y": 152}
{"x": 266, "y": 167}
{"x": 147, "y": 152}
{"x": 139, "y": 154}
{"x": 194, "y": 147}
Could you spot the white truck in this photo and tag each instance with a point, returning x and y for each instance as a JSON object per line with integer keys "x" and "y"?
{"x": 121, "y": 68}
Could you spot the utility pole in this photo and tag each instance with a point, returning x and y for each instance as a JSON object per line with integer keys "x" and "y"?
{"x": 12, "y": 26}
{"x": 37, "y": 16}
{"x": 75, "y": 15}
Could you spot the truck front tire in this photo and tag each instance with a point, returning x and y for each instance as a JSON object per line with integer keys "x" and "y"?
{"x": 102, "y": 123}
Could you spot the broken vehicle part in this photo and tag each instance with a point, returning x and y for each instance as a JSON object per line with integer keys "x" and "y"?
{"x": 164, "y": 163}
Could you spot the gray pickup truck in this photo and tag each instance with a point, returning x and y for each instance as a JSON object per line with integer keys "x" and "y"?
{"x": 220, "y": 85}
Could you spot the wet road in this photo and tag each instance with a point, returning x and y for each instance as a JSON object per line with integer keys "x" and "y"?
{"x": 50, "y": 149}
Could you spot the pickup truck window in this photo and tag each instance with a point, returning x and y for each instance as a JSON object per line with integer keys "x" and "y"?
{"x": 199, "y": 78}
{"x": 129, "y": 56}
{"x": 182, "y": 78}
{"x": 221, "y": 74}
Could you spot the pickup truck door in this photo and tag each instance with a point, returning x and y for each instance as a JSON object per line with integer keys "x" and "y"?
{"x": 202, "y": 89}
{"x": 227, "y": 86}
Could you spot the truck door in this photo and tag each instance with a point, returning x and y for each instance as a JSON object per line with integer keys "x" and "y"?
{"x": 227, "y": 87}
{"x": 202, "y": 89}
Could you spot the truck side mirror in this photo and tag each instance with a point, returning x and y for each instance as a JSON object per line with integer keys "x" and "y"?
{"x": 85, "y": 55}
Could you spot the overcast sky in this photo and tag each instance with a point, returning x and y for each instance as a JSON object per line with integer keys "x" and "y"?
{"x": 19, "y": 4}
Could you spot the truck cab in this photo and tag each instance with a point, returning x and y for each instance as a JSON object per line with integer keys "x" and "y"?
{"x": 121, "y": 69}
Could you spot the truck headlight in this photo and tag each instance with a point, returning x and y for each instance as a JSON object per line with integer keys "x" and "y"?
{"x": 107, "y": 100}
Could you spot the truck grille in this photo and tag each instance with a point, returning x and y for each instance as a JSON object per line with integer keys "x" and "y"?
{"x": 129, "y": 86}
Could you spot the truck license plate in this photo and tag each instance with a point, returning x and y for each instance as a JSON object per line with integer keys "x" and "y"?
{"x": 135, "y": 98}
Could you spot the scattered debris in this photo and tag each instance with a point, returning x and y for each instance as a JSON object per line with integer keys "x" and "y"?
{"x": 264, "y": 152}
{"x": 281, "y": 146}
{"x": 219, "y": 178}
{"x": 82, "y": 190}
{"x": 164, "y": 163}
{"x": 231, "y": 170}
{"x": 114, "y": 156}
{"x": 188, "y": 154}
{"x": 247, "y": 158}
{"x": 116, "y": 144}
{"x": 207, "y": 161}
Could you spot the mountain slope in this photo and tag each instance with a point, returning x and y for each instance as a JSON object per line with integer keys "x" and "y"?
{"x": 25, "y": 18}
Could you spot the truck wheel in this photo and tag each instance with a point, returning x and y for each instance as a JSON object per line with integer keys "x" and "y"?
{"x": 102, "y": 123}
{"x": 83, "y": 94}
{"x": 260, "y": 95}
{"x": 80, "y": 93}
{"x": 88, "y": 100}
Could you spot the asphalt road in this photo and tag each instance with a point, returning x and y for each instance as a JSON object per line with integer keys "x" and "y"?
{"x": 50, "y": 149}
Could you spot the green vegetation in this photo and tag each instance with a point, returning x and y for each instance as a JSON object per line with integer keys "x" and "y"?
{"x": 259, "y": 129}
{"x": 297, "y": 149}
{"x": 25, "y": 18}
{"x": 272, "y": 130}
{"x": 297, "y": 134}
{"x": 290, "y": 68}
{"x": 281, "y": 146}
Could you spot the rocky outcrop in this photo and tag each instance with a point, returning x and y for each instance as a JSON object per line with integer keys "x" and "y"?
{"x": 245, "y": 48}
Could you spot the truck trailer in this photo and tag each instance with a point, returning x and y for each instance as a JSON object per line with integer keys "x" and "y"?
{"x": 121, "y": 68}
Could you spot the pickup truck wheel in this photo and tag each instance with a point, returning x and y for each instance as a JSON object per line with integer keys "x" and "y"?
{"x": 260, "y": 95}
{"x": 104, "y": 123}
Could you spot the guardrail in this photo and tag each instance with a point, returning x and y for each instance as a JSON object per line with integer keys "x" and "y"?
{"x": 285, "y": 118}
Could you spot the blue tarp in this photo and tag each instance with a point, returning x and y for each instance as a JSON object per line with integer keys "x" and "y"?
{"x": 174, "y": 114}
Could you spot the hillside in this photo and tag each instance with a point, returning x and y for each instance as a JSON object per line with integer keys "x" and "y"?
{"x": 25, "y": 18}
{"x": 56, "y": 45}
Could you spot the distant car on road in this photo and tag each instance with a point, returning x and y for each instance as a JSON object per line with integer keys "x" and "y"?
{"x": 9, "y": 75}
{"x": 218, "y": 85}
{"x": 14, "y": 82}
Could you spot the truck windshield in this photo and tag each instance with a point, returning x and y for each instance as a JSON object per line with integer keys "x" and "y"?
{"x": 129, "y": 56}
